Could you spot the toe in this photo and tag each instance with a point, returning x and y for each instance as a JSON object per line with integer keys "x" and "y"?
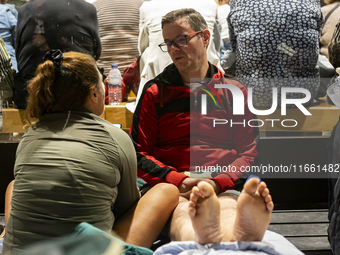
{"x": 262, "y": 186}
{"x": 268, "y": 199}
{"x": 270, "y": 206}
{"x": 206, "y": 189}
{"x": 192, "y": 209}
{"x": 251, "y": 185}
{"x": 195, "y": 194}
{"x": 265, "y": 192}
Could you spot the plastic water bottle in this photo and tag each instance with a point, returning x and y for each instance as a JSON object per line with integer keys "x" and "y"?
{"x": 115, "y": 86}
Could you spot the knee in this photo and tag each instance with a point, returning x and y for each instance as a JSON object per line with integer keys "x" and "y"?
{"x": 168, "y": 191}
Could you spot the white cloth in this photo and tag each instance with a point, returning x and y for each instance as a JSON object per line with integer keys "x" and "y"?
{"x": 272, "y": 243}
{"x": 223, "y": 12}
{"x": 153, "y": 60}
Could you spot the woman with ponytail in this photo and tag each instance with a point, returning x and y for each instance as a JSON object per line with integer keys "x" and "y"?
{"x": 73, "y": 166}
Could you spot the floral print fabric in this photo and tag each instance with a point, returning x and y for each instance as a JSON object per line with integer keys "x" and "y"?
{"x": 276, "y": 39}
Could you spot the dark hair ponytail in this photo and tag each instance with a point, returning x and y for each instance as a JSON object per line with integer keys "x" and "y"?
{"x": 64, "y": 88}
{"x": 40, "y": 89}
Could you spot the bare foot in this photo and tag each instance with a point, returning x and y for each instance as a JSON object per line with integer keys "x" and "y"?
{"x": 204, "y": 211}
{"x": 254, "y": 208}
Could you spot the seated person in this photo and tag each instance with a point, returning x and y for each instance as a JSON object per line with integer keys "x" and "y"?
{"x": 172, "y": 136}
{"x": 275, "y": 47}
{"x": 161, "y": 128}
{"x": 73, "y": 166}
{"x": 42, "y": 27}
{"x": 153, "y": 61}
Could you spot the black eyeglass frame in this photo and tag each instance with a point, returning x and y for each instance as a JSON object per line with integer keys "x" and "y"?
{"x": 168, "y": 44}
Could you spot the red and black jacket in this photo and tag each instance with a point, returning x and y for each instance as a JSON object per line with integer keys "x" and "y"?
{"x": 171, "y": 135}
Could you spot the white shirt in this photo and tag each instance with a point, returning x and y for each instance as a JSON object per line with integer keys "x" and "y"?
{"x": 223, "y": 12}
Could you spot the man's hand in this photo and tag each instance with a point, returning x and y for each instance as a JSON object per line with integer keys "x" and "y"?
{"x": 188, "y": 183}
{"x": 185, "y": 190}
{"x": 38, "y": 40}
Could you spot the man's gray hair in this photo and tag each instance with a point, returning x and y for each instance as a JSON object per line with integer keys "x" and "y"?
{"x": 194, "y": 18}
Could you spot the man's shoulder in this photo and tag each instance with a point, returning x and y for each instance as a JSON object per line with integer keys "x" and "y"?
{"x": 152, "y": 85}
{"x": 230, "y": 80}
{"x": 168, "y": 77}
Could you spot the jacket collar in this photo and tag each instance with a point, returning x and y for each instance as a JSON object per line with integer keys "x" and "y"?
{"x": 171, "y": 77}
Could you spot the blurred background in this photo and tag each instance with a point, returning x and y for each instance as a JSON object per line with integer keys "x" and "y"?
{"x": 17, "y": 3}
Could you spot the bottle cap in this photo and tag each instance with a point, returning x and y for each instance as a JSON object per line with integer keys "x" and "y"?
{"x": 114, "y": 66}
{"x": 337, "y": 70}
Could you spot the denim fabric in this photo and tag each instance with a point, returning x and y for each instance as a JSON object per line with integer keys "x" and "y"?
{"x": 8, "y": 25}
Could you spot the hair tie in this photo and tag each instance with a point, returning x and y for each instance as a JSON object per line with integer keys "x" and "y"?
{"x": 56, "y": 56}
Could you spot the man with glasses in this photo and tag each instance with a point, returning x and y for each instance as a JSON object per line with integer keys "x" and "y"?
{"x": 170, "y": 134}
{"x": 153, "y": 61}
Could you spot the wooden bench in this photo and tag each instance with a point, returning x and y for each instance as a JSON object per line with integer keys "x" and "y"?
{"x": 306, "y": 229}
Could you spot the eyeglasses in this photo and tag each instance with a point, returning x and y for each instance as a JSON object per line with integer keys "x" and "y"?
{"x": 179, "y": 41}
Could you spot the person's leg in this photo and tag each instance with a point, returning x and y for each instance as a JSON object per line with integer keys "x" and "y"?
{"x": 8, "y": 199}
{"x": 205, "y": 214}
{"x": 254, "y": 209}
{"x": 215, "y": 216}
{"x": 181, "y": 228}
{"x": 144, "y": 222}
{"x": 215, "y": 219}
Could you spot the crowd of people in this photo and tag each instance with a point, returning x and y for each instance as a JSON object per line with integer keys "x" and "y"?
{"x": 262, "y": 43}
{"x": 72, "y": 166}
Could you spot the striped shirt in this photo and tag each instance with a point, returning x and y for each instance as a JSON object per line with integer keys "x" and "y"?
{"x": 118, "y": 26}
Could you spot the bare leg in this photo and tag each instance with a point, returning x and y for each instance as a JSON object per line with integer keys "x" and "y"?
{"x": 143, "y": 223}
{"x": 216, "y": 219}
{"x": 220, "y": 217}
{"x": 8, "y": 199}
{"x": 254, "y": 208}
{"x": 181, "y": 227}
{"x": 204, "y": 211}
